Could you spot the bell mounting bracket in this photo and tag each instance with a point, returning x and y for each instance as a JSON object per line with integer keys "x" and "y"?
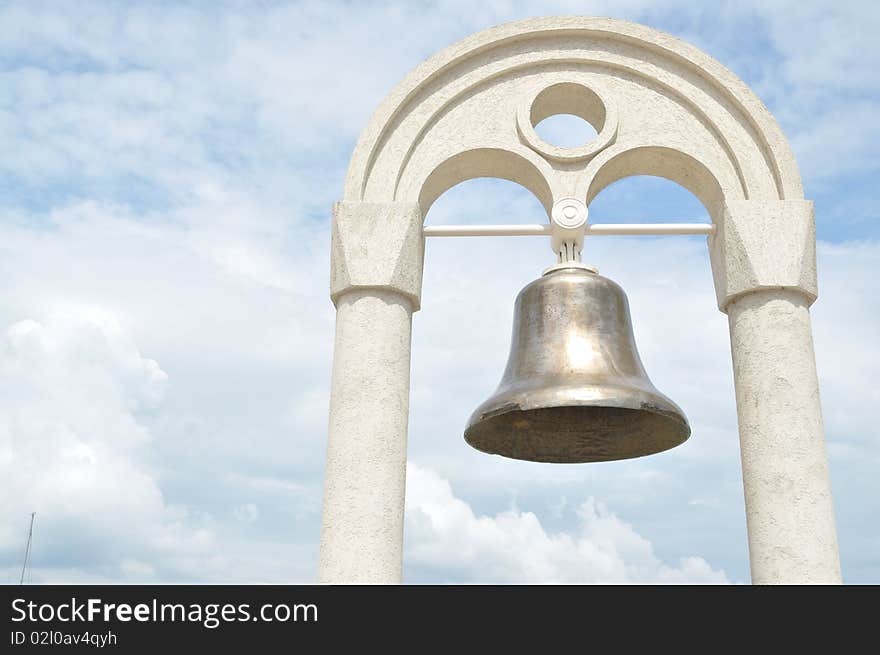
{"x": 567, "y": 228}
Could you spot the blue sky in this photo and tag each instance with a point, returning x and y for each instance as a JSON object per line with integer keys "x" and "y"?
{"x": 166, "y": 178}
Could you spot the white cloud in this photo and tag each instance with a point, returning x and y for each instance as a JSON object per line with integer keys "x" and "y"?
{"x": 248, "y": 513}
{"x": 446, "y": 539}
{"x": 72, "y": 442}
{"x": 79, "y": 445}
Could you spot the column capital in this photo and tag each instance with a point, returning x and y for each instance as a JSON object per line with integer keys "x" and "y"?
{"x": 762, "y": 244}
{"x": 377, "y": 246}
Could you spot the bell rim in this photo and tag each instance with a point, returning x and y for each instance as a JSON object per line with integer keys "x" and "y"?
{"x": 542, "y": 394}
{"x": 681, "y": 432}
{"x": 639, "y": 401}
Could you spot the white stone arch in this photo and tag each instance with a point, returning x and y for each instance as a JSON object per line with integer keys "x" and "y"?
{"x": 666, "y": 94}
{"x": 660, "y": 107}
{"x": 674, "y": 164}
{"x": 522, "y": 166}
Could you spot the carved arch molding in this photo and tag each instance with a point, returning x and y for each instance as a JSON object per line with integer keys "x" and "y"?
{"x": 659, "y": 106}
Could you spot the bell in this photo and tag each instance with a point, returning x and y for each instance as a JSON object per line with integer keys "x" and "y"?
{"x": 574, "y": 389}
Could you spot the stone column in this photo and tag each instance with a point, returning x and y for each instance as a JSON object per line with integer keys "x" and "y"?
{"x": 376, "y": 275}
{"x": 764, "y": 265}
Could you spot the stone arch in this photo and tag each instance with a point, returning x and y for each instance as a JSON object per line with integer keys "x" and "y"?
{"x": 669, "y": 163}
{"x": 665, "y": 109}
{"x": 520, "y": 167}
{"x": 462, "y": 104}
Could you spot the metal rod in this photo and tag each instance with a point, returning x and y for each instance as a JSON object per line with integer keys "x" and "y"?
{"x": 650, "y": 228}
{"x": 487, "y": 230}
{"x": 27, "y": 550}
{"x": 607, "y": 229}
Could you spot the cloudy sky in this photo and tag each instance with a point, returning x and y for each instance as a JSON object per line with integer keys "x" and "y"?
{"x": 166, "y": 177}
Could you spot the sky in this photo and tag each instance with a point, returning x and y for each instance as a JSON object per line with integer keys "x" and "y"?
{"x": 166, "y": 177}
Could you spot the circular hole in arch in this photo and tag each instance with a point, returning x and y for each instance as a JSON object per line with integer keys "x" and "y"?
{"x": 566, "y": 131}
{"x": 567, "y": 115}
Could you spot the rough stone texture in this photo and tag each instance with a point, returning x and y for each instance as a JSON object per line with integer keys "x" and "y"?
{"x": 561, "y": 98}
{"x": 377, "y": 246}
{"x": 661, "y": 107}
{"x": 362, "y": 528}
{"x": 792, "y": 537}
{"x": 764, "y": 245}
{"x": 665, "y": 95}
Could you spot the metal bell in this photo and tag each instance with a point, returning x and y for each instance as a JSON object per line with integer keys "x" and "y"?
{"x": 574, "y": 389}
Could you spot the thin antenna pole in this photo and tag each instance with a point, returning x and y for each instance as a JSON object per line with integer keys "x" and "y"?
{"x": 27, "y": 551}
